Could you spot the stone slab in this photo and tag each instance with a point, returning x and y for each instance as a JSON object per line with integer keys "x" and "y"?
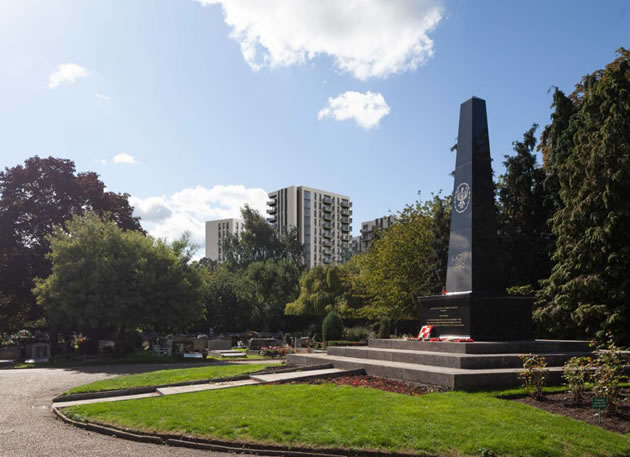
{"x": 202, "y": 387}
{"x": 283, "y": 377}
{"x": 451, "y": 378}
{"x": 485, "y": 347}
{"x": 63, "y": 404}
{"x": 448, "y": 359}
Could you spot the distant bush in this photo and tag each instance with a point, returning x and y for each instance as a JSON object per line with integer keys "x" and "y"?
{"x": 386, "y": 327}
{"x": 332, "y": 327}
{"x": 534, "y": 374}
{"x": 356, "y": 334}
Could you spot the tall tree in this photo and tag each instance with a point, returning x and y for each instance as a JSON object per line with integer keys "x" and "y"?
{"x": 408, "y": 261}
{"x": 524, "y": 231}
{"x": 34, "y": 198}
{"x": 321, "y": 290}
{"x": 589, "y": 287}
{"x": 106, "y": 281}
{"x": 260, "y": 241}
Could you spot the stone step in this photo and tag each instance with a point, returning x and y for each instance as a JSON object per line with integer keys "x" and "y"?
{"x": 485, "y": 347}
{"x": 446, "y": 359}
{"x": 295, "y": 375}
{"x": 451, "y": 378}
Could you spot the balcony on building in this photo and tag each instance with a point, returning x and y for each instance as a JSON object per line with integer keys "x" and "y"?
{"x": 327, "y": 208}
{"x": 345, "y": 212}
{"x": 327, "y": 252}
{"x": 271, "y": 202}
{"x": 345, "y": 228}
{"x": 327, "y": 225}
{"x": 345, "y": 204}
{"x": 327, "y": 199}
{"x": 327, "y": 217}
{"x": 345, "y": 237}
{"x": 345, "y": 220}
{"x": 327, "y": 235}
{"x": 327, "y": 243}
{"x": 327, "y": 260}
{"x": 271, "y": 211}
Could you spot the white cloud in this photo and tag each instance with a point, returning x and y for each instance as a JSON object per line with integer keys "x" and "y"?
{"x": 66, "y": 73}
{"x": 366, "y": 109}
{"x": 188, "y": 210}
{"x": 103, "y": 96}
{"x": 124, "y": 158}
{"x": 367, "y": 38}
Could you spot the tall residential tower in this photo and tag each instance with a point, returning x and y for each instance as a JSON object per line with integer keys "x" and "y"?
{"x": 216, "y": 231}
{"x": 323, "y": 220}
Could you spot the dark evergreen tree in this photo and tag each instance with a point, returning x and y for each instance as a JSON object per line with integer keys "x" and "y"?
{"x": 524, "y": 232}
{"x": 588, "y": 291}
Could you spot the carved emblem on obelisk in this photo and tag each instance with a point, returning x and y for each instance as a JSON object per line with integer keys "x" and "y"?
{"x": 462, "y": 197}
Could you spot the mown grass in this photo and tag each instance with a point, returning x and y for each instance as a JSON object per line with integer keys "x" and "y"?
{"x": 328, "y": 415}
{"x": 170, "y": 376}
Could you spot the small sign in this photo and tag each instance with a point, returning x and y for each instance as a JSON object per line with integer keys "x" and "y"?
{"x": 599, "y": 403}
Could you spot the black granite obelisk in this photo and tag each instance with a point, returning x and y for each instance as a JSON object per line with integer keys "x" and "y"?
{"x": 475, "y": 304}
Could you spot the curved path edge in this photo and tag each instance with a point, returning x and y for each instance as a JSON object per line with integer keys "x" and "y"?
{"x": 222, "y": 446}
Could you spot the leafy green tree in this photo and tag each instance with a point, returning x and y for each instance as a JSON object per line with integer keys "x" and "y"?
{"x": 588, "y": 290}
{"x": 408, "y": 261}
{"x": 34, "y": 198}
{"x": 273, "y": 283}
{"x": 106, "y": 281}
{"x": 321, "y": 289}
{"x": 524, "y": 232}
{"x": 227, "y": 299}
{"x": 260, "y": 241}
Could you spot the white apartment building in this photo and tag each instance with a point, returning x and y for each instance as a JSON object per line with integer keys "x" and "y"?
{"x": 216, "y": 232}
{"x": 369, "y": 229}
{"x": 323, "y": 220}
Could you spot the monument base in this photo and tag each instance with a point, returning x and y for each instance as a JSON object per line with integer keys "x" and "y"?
{"x": 481, "y": 317}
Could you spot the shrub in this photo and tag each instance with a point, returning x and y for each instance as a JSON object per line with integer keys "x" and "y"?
{"x": 608, "y": 374}
{"x": 356, "y": 334}
{"x": 534, "y": 374}
{"x": 332, "y": 327}
{"x": 386, "y": 327}
{"x": 576, "y": 373}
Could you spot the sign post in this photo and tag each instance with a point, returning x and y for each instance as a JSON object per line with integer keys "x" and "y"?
{"x": 599, "y": 403}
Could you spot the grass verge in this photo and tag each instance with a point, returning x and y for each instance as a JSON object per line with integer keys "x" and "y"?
{"x": 452, "y": 423}
{"x": 170, "y": 376}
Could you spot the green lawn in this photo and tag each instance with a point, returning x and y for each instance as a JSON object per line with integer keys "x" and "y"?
{"x": 452, "y": 423}
{"x": 170, "y": 376}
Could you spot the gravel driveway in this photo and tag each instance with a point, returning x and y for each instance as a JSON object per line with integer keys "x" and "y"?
{"x": 28, "y": 428}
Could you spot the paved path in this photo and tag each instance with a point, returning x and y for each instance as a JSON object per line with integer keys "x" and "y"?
{"x": 28, "y": 428}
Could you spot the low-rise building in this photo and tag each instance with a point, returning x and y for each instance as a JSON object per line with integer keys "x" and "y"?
{"x": 370, "y": 230}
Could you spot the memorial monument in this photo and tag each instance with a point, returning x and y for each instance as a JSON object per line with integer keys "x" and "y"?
{"x": 475, "y": 304}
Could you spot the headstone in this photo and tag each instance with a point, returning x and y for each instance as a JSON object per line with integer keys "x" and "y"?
{"x": 256, "y": 344}
{"x": 475, "y": 305}
{"x": 37, "y": 353}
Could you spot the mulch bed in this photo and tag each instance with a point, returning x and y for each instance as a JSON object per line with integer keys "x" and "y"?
{"x": 388, "y": 385}
{"x": 562, "y": 403}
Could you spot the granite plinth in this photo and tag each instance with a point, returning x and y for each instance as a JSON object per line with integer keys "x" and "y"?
{"x": 465, "y": 366}
{"x": 478, "y": 316}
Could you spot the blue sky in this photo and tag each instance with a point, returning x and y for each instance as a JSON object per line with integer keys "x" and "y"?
{"x": 196, "y": 106}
